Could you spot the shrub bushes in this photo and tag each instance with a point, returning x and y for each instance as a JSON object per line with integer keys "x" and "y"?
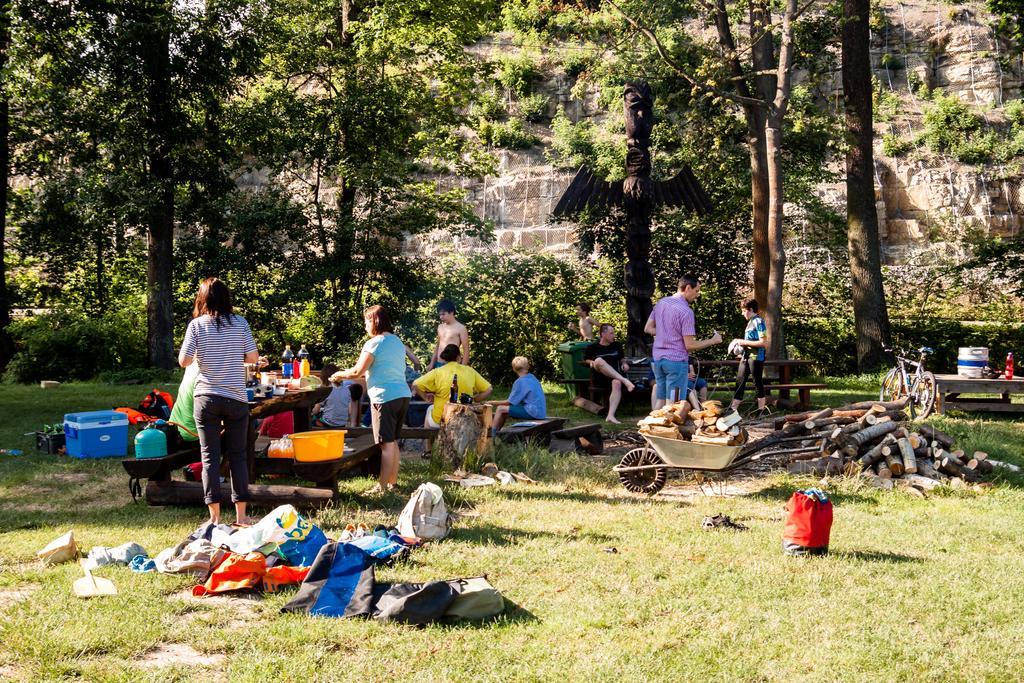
{"x": 832, "y": 343}
{"x": 514, "y": 304}
{"x": 511, "y": 135}
{"x": 896, "y": 146}
{"x": 70, "y": 346}
{"x": 534, "y": 108}
{"x": 517, "y": 74}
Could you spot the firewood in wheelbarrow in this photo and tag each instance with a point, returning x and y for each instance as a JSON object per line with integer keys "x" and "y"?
{"x": 726, "y": 421}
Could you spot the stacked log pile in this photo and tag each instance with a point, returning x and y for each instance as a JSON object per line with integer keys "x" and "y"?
{"x": 874, "y": 440}
{"x": 705, "y": 423}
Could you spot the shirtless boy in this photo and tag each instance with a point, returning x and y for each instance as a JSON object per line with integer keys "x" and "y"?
{"x": 450, "y": 331}
{"x": 586, "y": 324}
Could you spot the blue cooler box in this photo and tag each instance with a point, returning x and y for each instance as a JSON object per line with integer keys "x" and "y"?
{"x": 99, "y": 434}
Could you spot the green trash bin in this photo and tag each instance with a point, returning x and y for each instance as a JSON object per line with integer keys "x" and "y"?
{"x": 572, "y": 360}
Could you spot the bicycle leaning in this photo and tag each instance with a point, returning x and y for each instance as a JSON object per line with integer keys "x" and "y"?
{"x": 910, "y": 379}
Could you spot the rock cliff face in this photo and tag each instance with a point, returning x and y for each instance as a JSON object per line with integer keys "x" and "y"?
{"x": 922, "y": 198}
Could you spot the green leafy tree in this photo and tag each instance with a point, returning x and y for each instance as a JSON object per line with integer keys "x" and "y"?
{"x": 125, "y": 101}
{"x": 358, "y": 104}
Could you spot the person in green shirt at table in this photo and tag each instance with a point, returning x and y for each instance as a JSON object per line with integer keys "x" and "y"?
{"x": 181, "y": 411}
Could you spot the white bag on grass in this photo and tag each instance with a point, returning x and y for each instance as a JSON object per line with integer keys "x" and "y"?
{"x": 425, "y": 515}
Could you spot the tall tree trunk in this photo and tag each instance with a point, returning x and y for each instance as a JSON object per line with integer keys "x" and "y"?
{"x": 871, "y": 317}
{"x": 763, "y": 61}
{"x": 776, "y": 228}
{"x": 6, "y": 345}
{"x": 160, "y": 242}
{"x": 776, "y": 243}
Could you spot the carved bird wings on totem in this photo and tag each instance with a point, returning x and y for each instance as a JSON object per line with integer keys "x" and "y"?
{"x": 586, "y": 190}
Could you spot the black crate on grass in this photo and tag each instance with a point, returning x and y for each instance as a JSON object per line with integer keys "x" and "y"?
{"x": 49, "y": 443}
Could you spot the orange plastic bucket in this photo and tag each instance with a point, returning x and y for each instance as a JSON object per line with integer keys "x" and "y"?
{"x": 323, "y": 444}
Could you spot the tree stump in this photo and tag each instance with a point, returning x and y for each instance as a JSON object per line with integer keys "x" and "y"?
{"x": 464, "y": 427}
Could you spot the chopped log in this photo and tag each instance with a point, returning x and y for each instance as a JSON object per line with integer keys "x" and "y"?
{"x": 819, "y": 467}
{"x": 877, "y": 408}
{"x": 888, "y": 405}
{"x": 773, "y": 438}
{"x": 720, "y": 440}
{"x": 980, "y": 455}
{"x": 927, "y": 469}
{"x": 960, "y": 455}
{"x": 867, "y": 434}
{"x": 875, "y": 454}
{"x": 851, "y": 428}
{"x": 873, "y": 419}
{"x": 954, "y": 467}
{"x": 269, "y": 495}
{"x": 907, "y": 451}
{"x": 912, "y": 490}
{"x": 915, "y": 440}
{"x": 811, "y": 425}
{"x": 726, "y": 421}
{"x": 932, "y": 434}
{"x": 920, "y": 481}
{"x": 820, "y": 415}
{"x": 980, "y": 466}
{"x": 465, "y": 427}
{"x": 1009, "y": 466}
{"x": 883, "y": 470}
{"x": 893, "y": 460}
{"x": 587, "y": 405}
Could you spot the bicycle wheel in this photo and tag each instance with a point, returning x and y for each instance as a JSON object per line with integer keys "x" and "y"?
{"x": 892, "y": 386}
{"x": 923, "y": 401}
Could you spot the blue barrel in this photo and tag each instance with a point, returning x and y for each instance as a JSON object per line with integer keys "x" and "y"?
{"x": 971, "y": 361}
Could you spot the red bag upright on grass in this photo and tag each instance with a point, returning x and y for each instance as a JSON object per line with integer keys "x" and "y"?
{"x": 809, "y": 523}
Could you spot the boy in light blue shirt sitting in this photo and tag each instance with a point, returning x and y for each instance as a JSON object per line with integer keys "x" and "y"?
{"x": 526, "y": 400}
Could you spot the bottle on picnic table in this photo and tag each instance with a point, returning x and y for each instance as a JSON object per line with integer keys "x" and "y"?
{"x": 1009, "y": 366}
{"x": 453, "y": 396}
{"x": 286, "y": 361}
{"x": 303, "y": 357}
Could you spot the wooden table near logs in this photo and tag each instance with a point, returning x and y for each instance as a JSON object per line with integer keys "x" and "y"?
{"x": 873, "y": 439}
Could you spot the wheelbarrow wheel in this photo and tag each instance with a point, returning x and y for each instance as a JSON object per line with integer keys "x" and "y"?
{"x": 643, "y": 481}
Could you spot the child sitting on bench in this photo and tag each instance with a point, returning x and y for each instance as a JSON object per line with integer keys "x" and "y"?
{"x": 526, "y": 400}
{"x": 341, "y": 407}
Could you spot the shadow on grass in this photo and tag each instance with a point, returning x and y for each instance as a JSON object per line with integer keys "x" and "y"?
{"x": 488, "y": 534}
{"x": 783, "y": 493}
{"x": 872, "y": 556}
{"x": 583, "y": 497}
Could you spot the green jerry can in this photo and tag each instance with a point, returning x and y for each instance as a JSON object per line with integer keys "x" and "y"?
{"x": 150, "y": 443}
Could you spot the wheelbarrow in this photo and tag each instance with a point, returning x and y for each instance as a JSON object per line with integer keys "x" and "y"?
{"x": 645, "y": 469}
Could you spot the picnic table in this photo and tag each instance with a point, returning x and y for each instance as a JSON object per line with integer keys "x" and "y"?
{"x": 786, "y": 370}
{"x": 997, "y": 392}
{"x": 158, "y": 470}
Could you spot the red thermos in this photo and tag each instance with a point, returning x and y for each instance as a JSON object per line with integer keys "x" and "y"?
{"x": 1009, "y": 366}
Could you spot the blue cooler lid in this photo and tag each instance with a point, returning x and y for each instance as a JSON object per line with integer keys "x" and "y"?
{"x": 96, "y": 416}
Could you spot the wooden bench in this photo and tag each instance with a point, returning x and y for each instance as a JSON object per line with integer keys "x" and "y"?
{"x": 538, "y": 431}
{"x": 803, "y": 391}
{"x": 585, "y": 437}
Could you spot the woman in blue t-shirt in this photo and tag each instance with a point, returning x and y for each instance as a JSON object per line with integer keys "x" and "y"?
{"x": 526, "y": 400}
{"x": 382, "y": 362}
{"x": 753, "y": 345}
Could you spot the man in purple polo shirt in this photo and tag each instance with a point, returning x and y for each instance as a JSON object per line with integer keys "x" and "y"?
{"x": 675, "y": 335}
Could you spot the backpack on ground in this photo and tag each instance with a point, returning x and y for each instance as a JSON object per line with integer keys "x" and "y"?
{"x": 809, "y": 524}
{"x": 425, "y": 515}
{"x": 157, "y": 404}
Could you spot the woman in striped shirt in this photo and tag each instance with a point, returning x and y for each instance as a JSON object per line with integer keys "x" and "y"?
{"x": 220, "y": 342}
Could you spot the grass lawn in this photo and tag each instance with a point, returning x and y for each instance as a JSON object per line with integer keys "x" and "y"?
{"x": 913, "y": 589}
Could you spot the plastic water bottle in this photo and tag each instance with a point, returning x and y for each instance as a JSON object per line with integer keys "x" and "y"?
{"x": 286, "y": 361}
{"x": 11, "y": 451}
{"x": 303, "y": 357}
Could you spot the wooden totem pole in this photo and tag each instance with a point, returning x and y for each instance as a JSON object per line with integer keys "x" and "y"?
{"x": 638, "y": 196}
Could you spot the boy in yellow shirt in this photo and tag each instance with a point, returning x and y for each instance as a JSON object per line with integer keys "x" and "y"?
{"x": 436, "y": 385}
